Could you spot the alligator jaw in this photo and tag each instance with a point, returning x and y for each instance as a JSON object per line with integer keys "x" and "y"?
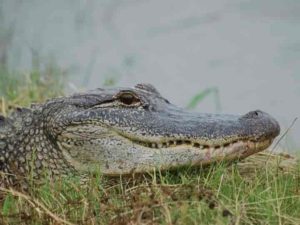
{"x": 114, "y": 154}
{"x": 185, "y": 153}
{"x": 240, "y": 145}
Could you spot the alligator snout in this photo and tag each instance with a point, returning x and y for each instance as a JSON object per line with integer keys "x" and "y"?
{"x": 256, "y": 114}
{"x": 261, "y": 124}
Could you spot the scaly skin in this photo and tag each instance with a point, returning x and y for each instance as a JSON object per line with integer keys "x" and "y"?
{"x": 123, "y": 131}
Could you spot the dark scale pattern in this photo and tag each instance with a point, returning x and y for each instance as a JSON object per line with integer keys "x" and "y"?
{"x": 29, "y": 152}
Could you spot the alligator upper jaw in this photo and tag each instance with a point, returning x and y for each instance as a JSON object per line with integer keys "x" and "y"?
{"x": 175, "y": 126}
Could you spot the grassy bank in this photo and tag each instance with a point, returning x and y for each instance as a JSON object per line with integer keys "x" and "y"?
{"x": 255, "y": 193}
{"x": 263, "y": 189}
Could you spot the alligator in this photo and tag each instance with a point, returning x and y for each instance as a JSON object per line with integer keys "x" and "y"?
{"x": 120, "y": 131}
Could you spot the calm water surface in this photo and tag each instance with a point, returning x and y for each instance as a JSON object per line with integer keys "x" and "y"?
{"x": 249, "y": 50}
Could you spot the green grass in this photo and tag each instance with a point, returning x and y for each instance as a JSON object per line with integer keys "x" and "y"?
{"x": 18, "y": 88}
{"x": 200, "y": 96}
{"x": 258, "y": 191}
{"x": 264, "y": 195}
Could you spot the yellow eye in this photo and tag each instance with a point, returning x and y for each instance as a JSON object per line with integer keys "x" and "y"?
{"x": 128, "y": 99}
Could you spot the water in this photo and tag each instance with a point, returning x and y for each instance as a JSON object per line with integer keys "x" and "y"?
{"x": 249, "y": 50}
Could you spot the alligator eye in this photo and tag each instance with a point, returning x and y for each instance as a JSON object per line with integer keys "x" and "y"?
{"x": 128, "y": 99}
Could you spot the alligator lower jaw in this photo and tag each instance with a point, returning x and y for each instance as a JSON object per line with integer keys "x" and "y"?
{"x": 212, "y": 153}
{"x": 174, "y": 157}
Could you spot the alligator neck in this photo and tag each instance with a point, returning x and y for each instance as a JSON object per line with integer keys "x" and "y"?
{"x": 26, "y": 149}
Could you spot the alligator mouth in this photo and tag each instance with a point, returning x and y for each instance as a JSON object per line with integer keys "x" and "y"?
{"x": 225, "y": 146}
{"x": 252, "y": 145}
{"x": 139, "y": 154}
{"x": 237, "y": 144}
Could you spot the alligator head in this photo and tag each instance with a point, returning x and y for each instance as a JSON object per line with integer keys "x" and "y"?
{"x": 126, "y": 130}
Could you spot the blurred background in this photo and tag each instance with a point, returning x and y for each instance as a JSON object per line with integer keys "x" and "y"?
{"x": 225, "y": 56}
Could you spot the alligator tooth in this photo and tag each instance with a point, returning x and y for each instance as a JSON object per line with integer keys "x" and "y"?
{"x": 154, "y": 145}
{"x": 159, "y": 145}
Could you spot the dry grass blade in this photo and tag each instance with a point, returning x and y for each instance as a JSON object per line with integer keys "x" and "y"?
{"x": 272, "y": 200}
{"x": 37, "y": 205}
{"x": 284, "y": 134}
{"x": 284, "y": 162}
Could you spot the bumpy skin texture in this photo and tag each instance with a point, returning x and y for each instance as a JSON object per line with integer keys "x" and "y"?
{"x": 26, "y": 148}
{"x": 123, "y": 131}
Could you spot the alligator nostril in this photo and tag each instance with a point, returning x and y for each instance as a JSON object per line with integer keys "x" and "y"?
{"x": 256, "y": 113}
{"x": 253, "y": 114}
